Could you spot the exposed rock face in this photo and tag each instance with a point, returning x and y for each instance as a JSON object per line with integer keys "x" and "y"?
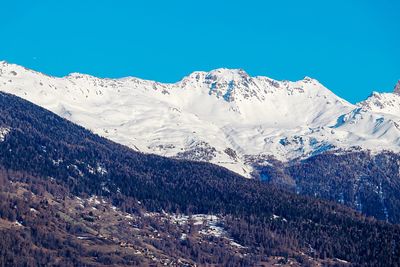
{"x": 397, "y": 88}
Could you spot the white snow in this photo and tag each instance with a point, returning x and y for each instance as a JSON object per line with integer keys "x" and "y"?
{"x": 276, "y": 217}
{"x": 129, "y": 216}
{"x": 223, "y": 116}
{"x": 94, "y": 200}
{"x": 33, "y": 210}
{"x": 211, "y": 223}
{"x": 3, "y": 132}
{"x": 18, "y": 224}
{"x": 196, "y": 219}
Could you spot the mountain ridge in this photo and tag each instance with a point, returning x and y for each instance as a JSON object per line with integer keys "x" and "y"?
{"x": 223, "y": 116}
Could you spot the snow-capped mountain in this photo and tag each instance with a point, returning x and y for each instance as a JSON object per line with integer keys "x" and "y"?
{"x": 388, "y": 103}
{"x": 223, "y": 116}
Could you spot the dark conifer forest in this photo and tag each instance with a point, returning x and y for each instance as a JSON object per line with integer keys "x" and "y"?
{"x": 66, "y": 194}
{"x": 366, "y": 182}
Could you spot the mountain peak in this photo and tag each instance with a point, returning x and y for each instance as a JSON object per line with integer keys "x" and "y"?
{"x": 223, "y": 82}
{"x": 309, "y": 79}
{"x": 228, "y": 73}
{"x": 77, "y": 75}
{"x": 397, "y": 88}
{"x": 6, "y": 64}
{"x": 222, "y": 75}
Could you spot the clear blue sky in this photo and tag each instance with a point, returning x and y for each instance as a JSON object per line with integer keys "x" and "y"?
{"x": 351, "y": 46}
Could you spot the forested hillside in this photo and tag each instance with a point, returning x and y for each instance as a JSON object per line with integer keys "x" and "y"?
{"x": 364, "y": 181}
{"x": 69, "y": 197}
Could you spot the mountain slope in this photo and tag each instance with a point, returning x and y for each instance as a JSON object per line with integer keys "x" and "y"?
{"x": 223, "y": 116}
{"x": 366, "y": 182}
{"x": 47, "y": 162}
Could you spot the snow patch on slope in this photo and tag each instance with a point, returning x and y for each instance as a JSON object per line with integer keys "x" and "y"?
{"x": 3, "y": 133}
